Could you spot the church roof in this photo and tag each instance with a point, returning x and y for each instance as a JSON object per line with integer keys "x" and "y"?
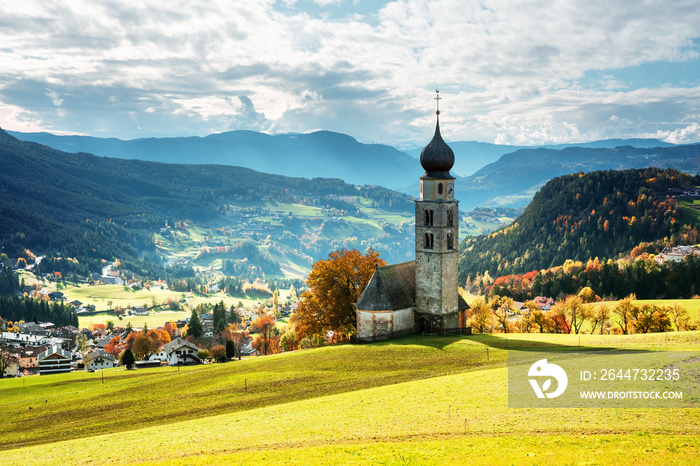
{"x": 437, "y": 158}
{"x": 462, "y": 304}
{"x": 392, "y": 287}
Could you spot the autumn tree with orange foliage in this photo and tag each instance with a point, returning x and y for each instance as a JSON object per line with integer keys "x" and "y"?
{"x": 144, "y": 345}
{"x": 171, "y": 328}
{"x": 218, "y": 352}
{"x": 115, "y": 346}
{"x": 267, "y": 340}
{"x": 335, "y": 285}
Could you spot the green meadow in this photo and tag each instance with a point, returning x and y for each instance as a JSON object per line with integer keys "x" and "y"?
{"x": 690, "y": 211}
{"x": 107, "y": 297}
{"x": 414, "y": 400}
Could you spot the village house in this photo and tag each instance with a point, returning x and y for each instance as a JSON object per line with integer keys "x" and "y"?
{"x": 23, "y": 339}
{"x": 100, "y": 359}
{"x": 138, "y": 311}
{"x": 544, "y": 303}
{"x": 676, "y": 253}
{"x": 207, "y": 320}
{"x": 178, "y": 352}
{"x": 57, "y": 296}
{"x": 109, "y": 280}
{"x": 12, "y": 368}
{"x": 54, "y": 361}
{"x": 32, "y": 328}
{"x": 28, "y": 357}
{"x": 68, "y": 332}
{"x": 98, "y": 334}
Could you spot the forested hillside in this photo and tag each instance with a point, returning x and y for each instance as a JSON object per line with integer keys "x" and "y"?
{"x": 90, "y": 208}
{"x": 579, "y": 217}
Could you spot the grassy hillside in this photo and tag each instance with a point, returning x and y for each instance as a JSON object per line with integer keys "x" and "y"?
{"x": 413, "y": 400}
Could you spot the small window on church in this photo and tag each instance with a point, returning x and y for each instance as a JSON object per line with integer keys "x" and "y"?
{"x": 449, "y": 241}
{"x": 427, "y": 217}
{"x": 439, "y": 188}
{"x": 429, "y": 241}
{"x": 450, "y": 218}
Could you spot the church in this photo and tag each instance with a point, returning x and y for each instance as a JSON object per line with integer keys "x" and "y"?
{"x": 421, "y": 296}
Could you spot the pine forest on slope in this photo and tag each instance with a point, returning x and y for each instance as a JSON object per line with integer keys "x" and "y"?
{"x": 581, "y": 216}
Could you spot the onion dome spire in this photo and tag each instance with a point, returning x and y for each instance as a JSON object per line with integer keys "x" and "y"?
{"x": 437, "y": 157}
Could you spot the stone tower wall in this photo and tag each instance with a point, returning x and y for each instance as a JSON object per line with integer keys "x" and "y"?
{"x": 436, "y": 266}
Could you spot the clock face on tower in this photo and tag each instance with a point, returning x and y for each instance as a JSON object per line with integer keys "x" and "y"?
{"x": 450, "y": 190}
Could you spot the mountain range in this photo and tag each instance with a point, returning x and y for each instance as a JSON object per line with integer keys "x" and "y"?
{"x": 488, "y": 174}
{"x": 322, "y": 154}
{"x": 514, "y": 178}
{"x": 470, "y": 156}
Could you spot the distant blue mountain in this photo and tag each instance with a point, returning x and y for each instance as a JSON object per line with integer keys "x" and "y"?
{"x": 491, "y": 170}
{"x": 323, "y": 154}
{"x": 470, "y": 156}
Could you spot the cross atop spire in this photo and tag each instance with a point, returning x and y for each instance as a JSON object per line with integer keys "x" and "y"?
{"x": 437, "y": 99}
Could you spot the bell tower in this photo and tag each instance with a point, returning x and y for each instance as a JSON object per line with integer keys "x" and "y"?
{"x": 437, "y": 235}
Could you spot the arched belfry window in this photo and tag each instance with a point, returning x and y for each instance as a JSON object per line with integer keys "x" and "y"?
{"x": 428, "y": 241}
{"x": 428, "y": 217}
{"x": 450, "y": 218}
{"x": 439, "y": 188}
{"x": 450, "y": 244}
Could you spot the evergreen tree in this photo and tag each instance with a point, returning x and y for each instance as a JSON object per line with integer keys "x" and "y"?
{"x": 230, "y": 349}
{"x": 127, "y": 359}
{"x": 194, "y": 327}
{"x": 219, "y": 317}
{"x": 234, "y": 318}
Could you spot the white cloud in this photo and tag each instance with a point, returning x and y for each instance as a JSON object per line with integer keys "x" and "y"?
{"x": 55, "y": 98}
{"x": 508, "y": 70}
{"x": 685, "y": 135}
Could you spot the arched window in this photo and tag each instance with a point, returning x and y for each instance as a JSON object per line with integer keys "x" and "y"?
{"x": 428, "y": 218}
{"x": 429, "y": 241}
{"x": 449, "y": 241}
{"x": 439, "y": 188}
{"x": 450, "y": 218}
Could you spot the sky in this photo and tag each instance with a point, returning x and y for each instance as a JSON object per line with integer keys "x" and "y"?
{"x": 522, "y": 72}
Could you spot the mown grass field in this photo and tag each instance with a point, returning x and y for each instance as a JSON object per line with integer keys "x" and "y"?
{"x": 106, "y": 297}
{"x": 414, "y": 400}
{"x": 690, "y": 211}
